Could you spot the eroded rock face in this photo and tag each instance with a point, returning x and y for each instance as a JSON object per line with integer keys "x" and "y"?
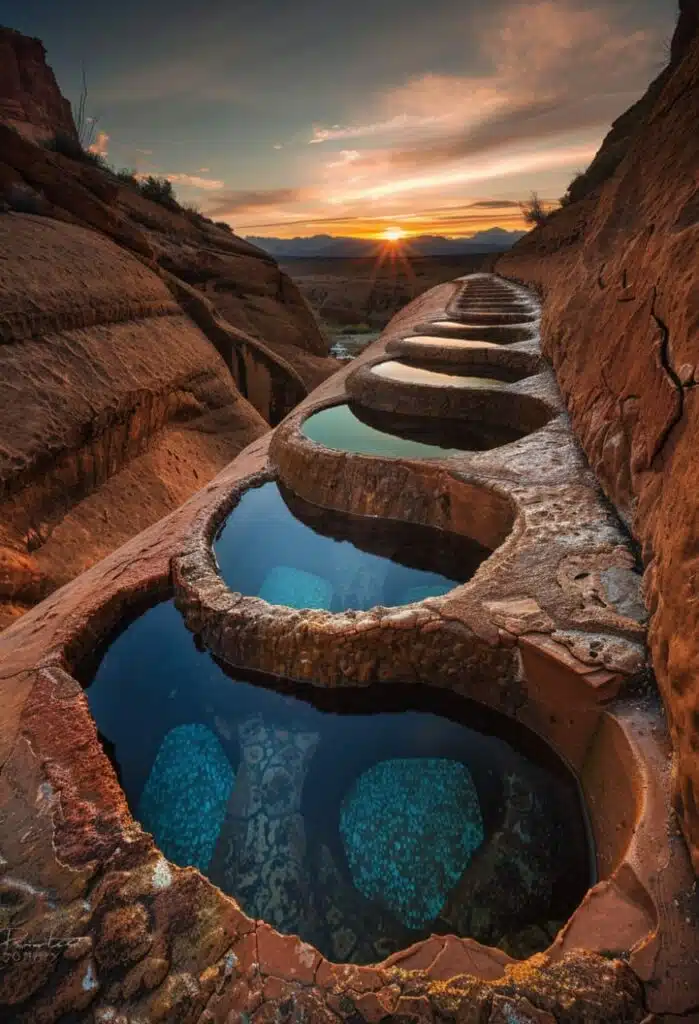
{"x": 30, "y": 99}
{"x": 619, "y": 274}
{"x": 244, "y": 283}
{"x": 145, "y": 347}
{"x": 126, "y": 407}
{"x": 265, "y": 315}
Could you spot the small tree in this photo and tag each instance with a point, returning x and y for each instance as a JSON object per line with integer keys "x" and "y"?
{"x": 575, "y": 190}
{"x": 79, "y": 148}
{"x": 533, "y": 210}
{"x": 192, "y": 210}
{"x": 127, "y": 175}
{"x": 159, "y": 190}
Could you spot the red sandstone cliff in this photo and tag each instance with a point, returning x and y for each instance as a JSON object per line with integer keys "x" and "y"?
{"x": 30, "y": 99}
{"x": 141, "y": 348}
{"x": 619, "y": 273}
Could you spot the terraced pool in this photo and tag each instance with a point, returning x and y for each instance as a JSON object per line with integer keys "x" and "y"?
{"x": 352, "y": 428}
{"x": 361, "y": 820}
{"x": 276, "y": 546}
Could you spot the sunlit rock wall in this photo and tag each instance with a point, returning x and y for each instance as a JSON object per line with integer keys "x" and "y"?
{"x": 618, "y": 271}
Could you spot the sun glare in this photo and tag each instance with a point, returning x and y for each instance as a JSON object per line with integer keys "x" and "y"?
{"x": 393, "y": 234}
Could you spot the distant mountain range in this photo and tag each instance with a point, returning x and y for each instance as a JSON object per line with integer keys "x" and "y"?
{"x": 492, "y": 240}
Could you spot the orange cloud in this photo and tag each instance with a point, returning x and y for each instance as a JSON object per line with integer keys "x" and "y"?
{"x": 504, "y": 164}
{"x": 194, "y": 181}
{"x": 346, "y": 157}
{"x": 556, "y": 67}
{"x": 398, "y": 124}
{"x": 101, "y": 144}
{"x": 556, "y": 73}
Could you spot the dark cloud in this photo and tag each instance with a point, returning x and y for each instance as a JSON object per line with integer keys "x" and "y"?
{"x": 441, "y": 214}
{"x": 306, "y": 220}
{"x": 468, "y": 218}
{"x": 532, "y": 122}
{"x": 235, "y": 200}
{"x": 493, "y": 204}
{"x": 436, "y": 219}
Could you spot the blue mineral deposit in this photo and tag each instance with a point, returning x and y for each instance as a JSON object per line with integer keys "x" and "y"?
{"x": 183, "y": 802}
{"x": 296, "y": 588}
{"x": 410, "y": 827}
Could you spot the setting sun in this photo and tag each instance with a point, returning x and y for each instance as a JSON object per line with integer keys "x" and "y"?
{"x": 393, "y": 234}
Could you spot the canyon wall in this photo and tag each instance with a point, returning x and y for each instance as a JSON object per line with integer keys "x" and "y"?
{"x": 141, "y": 347}
{"x": 619, "y": 273}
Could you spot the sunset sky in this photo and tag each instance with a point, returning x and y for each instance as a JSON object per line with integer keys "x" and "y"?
{"x": 317, "y": 116}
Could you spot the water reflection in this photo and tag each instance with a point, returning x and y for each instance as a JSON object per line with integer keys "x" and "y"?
{"x": 354, "y": 428}
{"x": 275, "y": 546}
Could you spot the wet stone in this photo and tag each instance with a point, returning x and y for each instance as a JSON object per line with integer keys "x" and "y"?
{"x": 407, "y": 373}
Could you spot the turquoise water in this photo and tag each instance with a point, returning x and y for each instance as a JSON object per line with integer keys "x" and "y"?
{"x": 353, "y": 818}
{"x": 340, "y": 427}
{"x": 351, "y": 428}
{"x": 275, "y": 546}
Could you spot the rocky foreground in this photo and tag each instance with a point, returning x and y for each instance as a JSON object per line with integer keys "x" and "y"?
{"x": 549, "y": 630}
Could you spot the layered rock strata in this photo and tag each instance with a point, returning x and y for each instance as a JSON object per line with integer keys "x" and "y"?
{"x": 30, "y": 99}
{"x": 114, "y": 405}
{"x": 141, "y": 348}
